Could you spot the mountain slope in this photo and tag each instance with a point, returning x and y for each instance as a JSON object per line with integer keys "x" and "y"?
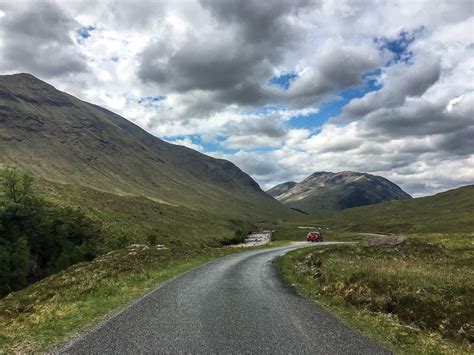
{"x": 446, "y": 212}
{"x": 74, "y": 144}
{"x": 281, "y": 189}
{"x": 325, "y": 191}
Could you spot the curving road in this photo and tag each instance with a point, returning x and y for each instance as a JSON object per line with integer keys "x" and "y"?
{"x": 233, "y": 305}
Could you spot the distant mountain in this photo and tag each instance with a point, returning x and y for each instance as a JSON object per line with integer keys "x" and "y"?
{"x": 325, "y": 191}
{"x": 281, "y": 189}
{"x": 77, "y": 146}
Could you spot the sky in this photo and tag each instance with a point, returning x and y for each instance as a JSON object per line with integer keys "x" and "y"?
{"x": 282, "y": 88}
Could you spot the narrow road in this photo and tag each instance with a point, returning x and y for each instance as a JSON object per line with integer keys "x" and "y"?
{"x": 233, "y": 305}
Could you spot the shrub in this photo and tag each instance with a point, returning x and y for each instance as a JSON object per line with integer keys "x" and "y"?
{"x": 239, "y": 237}
{"x": 37, "y": 238}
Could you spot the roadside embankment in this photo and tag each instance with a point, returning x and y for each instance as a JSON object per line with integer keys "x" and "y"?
{"x": 412, "y": 294}
{"x": 42, "y": 314}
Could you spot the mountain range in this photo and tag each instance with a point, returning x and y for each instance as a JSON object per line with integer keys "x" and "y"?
{"x": 326, "y": 191}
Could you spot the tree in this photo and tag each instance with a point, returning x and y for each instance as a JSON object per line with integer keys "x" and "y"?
{"x": 17, "y": 187}
{"x": 38, "y": 238}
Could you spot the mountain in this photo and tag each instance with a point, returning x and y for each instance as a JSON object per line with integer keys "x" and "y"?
{"x": 281, "y": 189}
{"x": 325, "y": 191}
{"x": 88, "y": 156}
{"x": 451, "y": 211}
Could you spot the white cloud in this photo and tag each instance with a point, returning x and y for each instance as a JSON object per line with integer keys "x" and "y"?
{"x": 211, "y": 61}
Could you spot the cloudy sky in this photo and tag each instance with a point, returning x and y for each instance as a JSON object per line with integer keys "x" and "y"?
{"x": 282, "y": 88}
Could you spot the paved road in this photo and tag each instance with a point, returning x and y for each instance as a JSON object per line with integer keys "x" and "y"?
{"x": 234, "y": 305}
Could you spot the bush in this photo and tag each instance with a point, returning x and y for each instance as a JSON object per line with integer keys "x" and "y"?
{"x": 239, "y": 237}
{"x": 38, "y": 239}
{"x": 152, "y": 239}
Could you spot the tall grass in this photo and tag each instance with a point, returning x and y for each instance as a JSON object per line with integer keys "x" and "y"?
{"x": 418, "y": 284}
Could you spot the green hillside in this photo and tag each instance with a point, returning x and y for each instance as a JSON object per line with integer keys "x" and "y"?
{"x": 83, "y": 155}
{"x": 450, "y": 211}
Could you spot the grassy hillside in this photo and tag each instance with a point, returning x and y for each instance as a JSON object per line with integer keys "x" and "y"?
{"x": 128, "y": 219}
{"x": 450, "y": 211}
{"x": 84, "y": 155}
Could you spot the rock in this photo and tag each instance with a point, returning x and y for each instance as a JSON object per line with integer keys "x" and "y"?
{"x": 138, "y": 247}
{"x": 422, "y": 291}
{"x": 467, "y": 332}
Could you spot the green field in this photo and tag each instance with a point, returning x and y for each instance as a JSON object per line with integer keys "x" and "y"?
{"x": 448, "y": 212}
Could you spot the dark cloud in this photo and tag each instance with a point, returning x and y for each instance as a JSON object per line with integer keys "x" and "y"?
{"x": 235, "y": 57}
{"x": 265, "y": 23}
{"x": 337, "y": 66}
{"x": 417, "y": 119}
{"x": 234, "y": 60}
{"x": 401, "y": 82}
{"x": 267, "y": 126}
{"x": 37, "y": 39}
{"x": 202, "y": 63}
{"x": 459, "y": 143}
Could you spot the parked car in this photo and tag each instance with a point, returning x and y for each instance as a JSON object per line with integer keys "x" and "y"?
{"x": 314, "y": 237}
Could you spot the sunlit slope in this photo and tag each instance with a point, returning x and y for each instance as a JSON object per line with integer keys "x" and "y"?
{"x": 450, "y": 211}
{"x": 57, "y": 137}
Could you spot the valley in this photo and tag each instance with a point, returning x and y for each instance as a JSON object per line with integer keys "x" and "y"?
{"x": 237, "y": 177}
{"x": 159, "y": 210}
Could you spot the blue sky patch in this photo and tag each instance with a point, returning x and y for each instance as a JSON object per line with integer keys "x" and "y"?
{"x": 399, "y": 46}
{"x": 84, "y": 33}
{"x": 265, "y": 110}
{"x": 151, "y": 101}
{"x": 283, "y": 80}
{"x": 334, "y": 108}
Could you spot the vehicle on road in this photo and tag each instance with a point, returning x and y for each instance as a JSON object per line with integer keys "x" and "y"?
{"x": 314, "y": 237}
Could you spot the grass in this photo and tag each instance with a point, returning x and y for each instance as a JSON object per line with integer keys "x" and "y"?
{"x": 78, "y": 147}
{"x": 129, "y": 219}
{"x": 413, "y": 297}
{"x": 448, "y": 212}
{"x": 33, "y": 319}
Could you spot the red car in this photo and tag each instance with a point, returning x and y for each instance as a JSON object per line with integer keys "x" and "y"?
{"x": 314, "y": 237}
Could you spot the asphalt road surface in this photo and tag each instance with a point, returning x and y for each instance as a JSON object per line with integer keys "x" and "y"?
{"x": 234, "y": 305}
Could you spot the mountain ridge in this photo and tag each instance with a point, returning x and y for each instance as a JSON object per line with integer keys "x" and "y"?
{"x": 327, "y": 191}
{"x": 59, "y": 138}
